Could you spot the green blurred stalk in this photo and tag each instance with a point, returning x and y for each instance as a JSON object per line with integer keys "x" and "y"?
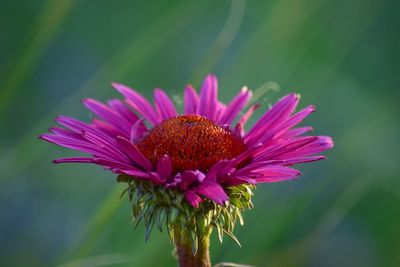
{"x": 41, "y": 33}
{"x": 184, "y": 252}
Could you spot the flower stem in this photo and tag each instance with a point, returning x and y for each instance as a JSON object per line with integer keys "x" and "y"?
{"x": 183, "y": 244}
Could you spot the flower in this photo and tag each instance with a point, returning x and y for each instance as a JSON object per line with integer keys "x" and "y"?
{"x": 192, "y": 171}
{"x": 200, "y": 152}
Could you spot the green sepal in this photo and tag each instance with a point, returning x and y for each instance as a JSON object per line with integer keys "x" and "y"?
{"x": 157, "y": 205}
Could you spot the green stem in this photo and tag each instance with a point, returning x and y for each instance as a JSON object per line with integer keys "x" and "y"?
{"x": 186, "y": 258}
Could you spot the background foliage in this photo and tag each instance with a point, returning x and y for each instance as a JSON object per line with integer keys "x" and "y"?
{"x": 340, "y": 55}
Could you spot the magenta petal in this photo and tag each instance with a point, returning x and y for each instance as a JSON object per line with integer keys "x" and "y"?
{"x": 296, "y": 132}
{"x": 238, "y": 180}
{"x": 74, "y": 144}
{"x": 283, "y": 147}
{"x": 190, "y": 177}
{"x": 278, "y": 114}
{"x": 113, "y": 164}
{"x": 164, "y": 167}
{"x": 66, "y": 133}
{"x": 138, "y": 102}
{"x": 213, "y": 191}
{"x": 208, "y": 97}
{"x": 193, "y": 198}
{"x": 73, "y": 124}
{"x": 134, "y": 173}
{"x": 73, "y": 160}
{"x": 235, "y": 106}
{"x": 276, "y": 173}
{"x": 221, "y": 168}
{"x": 318, "y": 145}
{"x": 191, "y": 100}
{"x": 121, "y": 109}
{"x": 104, "y": 128}
{"x": 292, "y": 161}
{"x": 295, "y": 119}
{"x": 239, "y": 128}
{"x": 134, "y": 153}
{"x": 137, "y": 131}
{"x": 108, "y": 115}
{"x": 164, "y": 105}
{"x": 251, "y": 168}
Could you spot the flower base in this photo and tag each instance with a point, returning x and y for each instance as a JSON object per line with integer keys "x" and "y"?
{"x": 184, "y": 251}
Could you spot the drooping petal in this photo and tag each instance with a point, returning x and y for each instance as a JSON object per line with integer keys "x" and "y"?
{"x": 137, "y": 131}
{"x": 221, "y": 168}
{"x": 164, "y": 105}
{"x": 190, "y": 177}
{"x": 193, "y": 198}
{"x": 164, "y": 167}
{"x": 213, "y": 191}
{"x": 134, "y": 153}
{"x": 191, "y": 100}
{"x": 138, "y": 102}
{"x": 235, "y": 180}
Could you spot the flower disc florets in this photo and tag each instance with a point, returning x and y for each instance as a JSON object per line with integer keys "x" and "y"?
{"x": 193, "y": 142}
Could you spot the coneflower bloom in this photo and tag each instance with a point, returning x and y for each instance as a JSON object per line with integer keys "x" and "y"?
{"x": 200, "y": 152}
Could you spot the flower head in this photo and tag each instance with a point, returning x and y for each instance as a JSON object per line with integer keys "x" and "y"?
{"x": 200, "y": 157}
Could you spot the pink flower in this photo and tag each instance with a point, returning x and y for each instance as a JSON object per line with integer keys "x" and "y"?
{"x": 200, "y": 152}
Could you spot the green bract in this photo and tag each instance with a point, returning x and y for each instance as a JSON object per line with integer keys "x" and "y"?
{"x": 166, "y": 208}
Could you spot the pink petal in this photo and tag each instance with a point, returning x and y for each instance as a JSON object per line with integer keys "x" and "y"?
{"x": 276, "y": 173}
{"x": 213, "y": 191}
{"x": 208, "y": 97}
{"x": 108, "y": 115}
{"x": 239, "y": 128}
{"x": 278, "y": 114}
{"x": 138, "y": 102}
{"x": 235, "y": 106}
{"x": 164, "y": 167}
{"x": 73, "y": 160}
{"x": 164, "y": 105}
{"x": 296, "y": 132}
{"x": 191, "y": 100}
{"x": 134, "y": 153}
{"x": 190, "y": 177}
{"x": 193, "y": 198}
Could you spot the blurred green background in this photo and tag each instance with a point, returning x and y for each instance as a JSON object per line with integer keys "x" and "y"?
{"x": 342, "y": 56}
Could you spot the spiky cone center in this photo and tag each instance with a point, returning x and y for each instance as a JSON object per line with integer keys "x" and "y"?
{"x": 193, "y": 142}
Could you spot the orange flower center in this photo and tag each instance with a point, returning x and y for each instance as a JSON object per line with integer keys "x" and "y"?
{"x": 192, "y": 142}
